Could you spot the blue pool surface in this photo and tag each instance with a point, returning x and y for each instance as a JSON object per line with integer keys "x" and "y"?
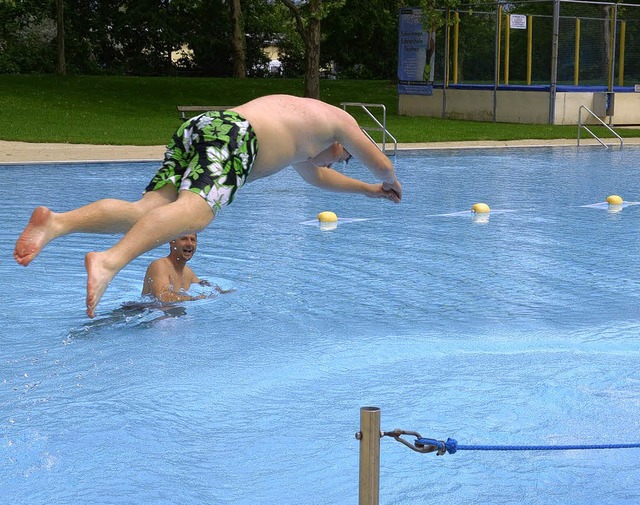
{"x": 522, "y": 329}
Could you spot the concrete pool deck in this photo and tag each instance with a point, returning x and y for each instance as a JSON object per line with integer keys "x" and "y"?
{"x": 27, "y": 152}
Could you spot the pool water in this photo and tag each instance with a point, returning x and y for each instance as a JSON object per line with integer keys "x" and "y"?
{"x": 521, "y": 329}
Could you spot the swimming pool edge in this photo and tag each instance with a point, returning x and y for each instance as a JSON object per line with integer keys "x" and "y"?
{"x": 17, "y": 153}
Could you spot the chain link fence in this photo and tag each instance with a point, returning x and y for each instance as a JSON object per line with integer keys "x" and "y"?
{"x": 598, "y": 44}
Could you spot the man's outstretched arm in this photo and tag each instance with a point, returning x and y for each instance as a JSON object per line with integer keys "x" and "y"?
{"x": 351, "y": 136}
{"x": 329, "y": 179}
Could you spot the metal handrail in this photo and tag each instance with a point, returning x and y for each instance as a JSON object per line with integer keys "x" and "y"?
{"x": 382, "y": 127}
{"x": 580, "y": 125}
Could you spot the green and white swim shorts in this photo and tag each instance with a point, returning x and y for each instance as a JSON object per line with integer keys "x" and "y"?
{"x": 211, "y": 155}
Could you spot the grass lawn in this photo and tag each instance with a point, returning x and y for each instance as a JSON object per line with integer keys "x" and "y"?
{"x": 142, "y": 110}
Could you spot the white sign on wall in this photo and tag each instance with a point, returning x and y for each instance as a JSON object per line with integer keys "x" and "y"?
{"x": 518, "y": 21}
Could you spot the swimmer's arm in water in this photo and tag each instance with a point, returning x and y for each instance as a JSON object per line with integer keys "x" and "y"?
{"x": 329, "y": 179}
{"x": 204, "y": 282}
{"x": 169, "y": 296}
{"x": 224, "y": 291}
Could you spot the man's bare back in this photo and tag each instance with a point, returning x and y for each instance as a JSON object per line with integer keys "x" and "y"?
{"x": 292, "y": 130}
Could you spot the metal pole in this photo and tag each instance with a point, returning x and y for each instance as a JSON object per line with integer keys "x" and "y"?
{"x": 496, "y": 62}
{"x": 445, "y": 78}
{"x": 369, "y": 436}
{"x": 498, "y": 41}
{"x": 529, "y": 46}
{"x": 623, "y": 35}
{"x": 612, "y": 64}
{"x": 507, "y": 43}
{"x": 576, "y": 56}
{"x": 456, "y": 37}
{"x": 554, "y": 62}
{"x": 612, "y": 55}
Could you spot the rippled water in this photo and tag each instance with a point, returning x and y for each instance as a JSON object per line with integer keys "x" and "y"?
{"x": 520, "y": 330}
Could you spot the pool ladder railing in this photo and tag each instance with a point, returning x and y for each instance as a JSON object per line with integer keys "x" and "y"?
{"x": 581, "y": 126}
{"x": 380, "y": 126}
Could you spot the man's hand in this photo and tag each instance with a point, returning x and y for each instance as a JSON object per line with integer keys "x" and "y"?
{"x": 224, "y": 291}
{"x": 379, "y": 191}
{"x": 394, "y": 187}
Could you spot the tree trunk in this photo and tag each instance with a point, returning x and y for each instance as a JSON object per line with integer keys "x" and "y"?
{"x": 237, "y": 41}
{"x": 310, "y": 34}
{"x": 312, "y": 48}
{"x": 61, "y": 65}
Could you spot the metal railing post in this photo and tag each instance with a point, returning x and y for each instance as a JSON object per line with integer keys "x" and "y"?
{"x": 581, "y": 126}
{"x": 369, "y": 436}
{"x": 382, "y": 127}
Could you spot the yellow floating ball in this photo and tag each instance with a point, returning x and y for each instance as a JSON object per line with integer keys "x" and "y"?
{"x": 327, "y": 217}
{"x": 614, "y": 200}
{"x": 480, "y": 208}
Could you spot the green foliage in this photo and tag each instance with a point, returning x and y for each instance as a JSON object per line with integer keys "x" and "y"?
{"x": 142, "y": 110}
{"x": 132, "y": 37}
{"x": 26, "y": 38}
{"x": 434, "y": 12}
{"x": 477, "y": 47}
{"x": 361, "y": 39}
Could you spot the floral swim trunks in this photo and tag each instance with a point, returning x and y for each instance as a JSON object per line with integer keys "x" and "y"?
{"x": 210, "y": 155}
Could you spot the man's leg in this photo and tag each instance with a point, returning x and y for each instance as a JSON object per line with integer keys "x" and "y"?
{"x": 102, "y": 216}
{"x": 190, "y": 213}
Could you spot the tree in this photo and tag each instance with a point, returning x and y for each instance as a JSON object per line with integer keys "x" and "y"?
{"x": 434, "y": 12}
{"x": 237, "y": 40}
{"x": 308, "y": 16}
{"x": 360, "y": 39}
{"x": 61, "y": 67}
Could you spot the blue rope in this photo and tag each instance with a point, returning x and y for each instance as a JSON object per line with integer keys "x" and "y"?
{"x": 451, "y": 446}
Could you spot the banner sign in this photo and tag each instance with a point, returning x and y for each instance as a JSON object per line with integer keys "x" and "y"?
{"x": 416, "y": 54}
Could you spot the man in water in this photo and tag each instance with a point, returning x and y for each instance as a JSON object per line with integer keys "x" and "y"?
{"x": 208, "y": 159}
{"x": 168, "y": 279}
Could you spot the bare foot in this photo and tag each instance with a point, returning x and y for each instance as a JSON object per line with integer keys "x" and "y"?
{"x": 38, "y": 233}
{"x": 98, "y": 278}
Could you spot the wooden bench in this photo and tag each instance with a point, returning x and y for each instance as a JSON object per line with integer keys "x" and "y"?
{"x": 188, "y": 111}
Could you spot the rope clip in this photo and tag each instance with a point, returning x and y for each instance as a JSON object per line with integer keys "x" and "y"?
{"x": 421, "y": 445}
